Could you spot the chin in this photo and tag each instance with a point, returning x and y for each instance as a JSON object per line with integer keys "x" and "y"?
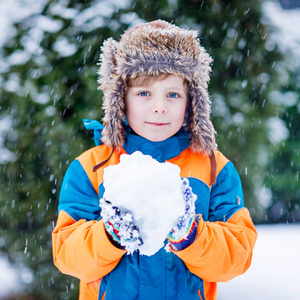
{"x": 158, "y": 139}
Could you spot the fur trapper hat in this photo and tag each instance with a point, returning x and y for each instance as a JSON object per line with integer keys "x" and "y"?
{"x": 151, "y": 49}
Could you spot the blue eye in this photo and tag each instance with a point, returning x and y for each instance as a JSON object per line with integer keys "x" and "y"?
{"x": 173, "y": 95}
{"x": 144, "y": 94}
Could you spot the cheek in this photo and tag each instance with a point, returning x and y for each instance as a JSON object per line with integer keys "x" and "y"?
{"x": 180, "y": 120}
{"x": 181, "y": 113}
{"x": 134, "y": 113}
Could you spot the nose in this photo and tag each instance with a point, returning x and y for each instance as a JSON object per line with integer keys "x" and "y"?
{"x": 159, "y": 106}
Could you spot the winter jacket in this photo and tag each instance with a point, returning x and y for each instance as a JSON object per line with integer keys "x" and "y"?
{"x": 221, "y": 251}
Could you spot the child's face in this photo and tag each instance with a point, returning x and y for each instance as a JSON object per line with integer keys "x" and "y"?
{"x": 156, "y": 111}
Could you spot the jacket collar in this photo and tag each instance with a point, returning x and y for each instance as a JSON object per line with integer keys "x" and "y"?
{"x": 161, "y": 151}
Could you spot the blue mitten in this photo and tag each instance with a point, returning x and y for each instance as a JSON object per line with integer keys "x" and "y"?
{"x": 119, "y": 227}
{"x": 185, "y": 230}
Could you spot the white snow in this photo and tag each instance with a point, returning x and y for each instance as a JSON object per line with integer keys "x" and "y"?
{"x": 64, "y": 48}
{"x": 274, "y": 273}
{"x": 8, "y": 277}
{"x": 286, "y": 35}
{"x": 48, "y": 24}
{"x": 58, "y": 9}
{"x": 151, "y": 191}
{"x": 14, "y": 11}
{"x": 18, "y": 57}
{"x": 98, "y": 14}
{"x": 5, "y": 154}
{"x": 286, "y": 32}
{"x": 264, "y": 196}
{"x": 277, "y": 130}
{"x": 286, "y": 99}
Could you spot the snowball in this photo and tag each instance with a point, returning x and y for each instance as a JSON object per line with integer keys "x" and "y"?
{"x": 151, "y": 191}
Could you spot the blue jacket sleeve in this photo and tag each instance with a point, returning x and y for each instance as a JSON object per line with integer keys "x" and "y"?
{"x": 226, "y": 195}
{"x": 78, "y": 197}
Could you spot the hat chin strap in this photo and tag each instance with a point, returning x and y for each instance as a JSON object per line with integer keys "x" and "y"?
{"x": 95, "y": 168}
{"x": 213, "y": 168}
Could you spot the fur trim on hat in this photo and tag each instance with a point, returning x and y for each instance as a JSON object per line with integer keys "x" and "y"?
{"x": 151, "y": 49}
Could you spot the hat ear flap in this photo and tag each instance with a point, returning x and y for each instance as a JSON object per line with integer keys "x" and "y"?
{"x": 201, "y": 127}
{"x": 114, "y": 110}
{"x": 114, "y": 88}
{"x": 107, "y": 63}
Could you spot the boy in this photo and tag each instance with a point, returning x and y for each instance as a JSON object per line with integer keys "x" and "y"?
{"x": 155, "y": 101}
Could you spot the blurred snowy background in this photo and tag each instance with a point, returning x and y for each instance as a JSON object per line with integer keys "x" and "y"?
{"x": 48, "y": 62}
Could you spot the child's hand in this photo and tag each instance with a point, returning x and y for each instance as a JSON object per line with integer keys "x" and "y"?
{"x": 119, "y": 226}
{"x": 184, "y": 232}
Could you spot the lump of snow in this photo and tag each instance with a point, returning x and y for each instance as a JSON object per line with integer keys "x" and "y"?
{"x": 48, "y": 24}
{"x": 277, "y": 130}
{"x": 151, "y": 191}
{"x": 64, "y": 48}
{"x": 18, "y": 57}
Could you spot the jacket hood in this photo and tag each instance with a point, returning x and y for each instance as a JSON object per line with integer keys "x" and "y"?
{"x": 152, "y": 49}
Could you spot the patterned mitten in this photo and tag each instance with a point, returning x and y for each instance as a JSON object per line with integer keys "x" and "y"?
{"x": 184, "y": 232}
{"x": 119, "y": 227}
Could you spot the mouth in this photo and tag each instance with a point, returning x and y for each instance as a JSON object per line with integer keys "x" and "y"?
{"x": 158, "y": 124}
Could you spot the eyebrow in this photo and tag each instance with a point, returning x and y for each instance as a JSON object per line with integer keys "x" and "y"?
{"x": 166, "y": 88}
{"x": 175, "y": 88}
{"x": 170, "y": 88}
